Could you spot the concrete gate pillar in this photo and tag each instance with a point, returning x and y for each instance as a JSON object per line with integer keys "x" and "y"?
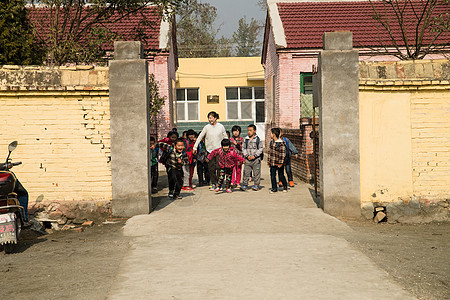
{"x": 339, "y": 126}
{"x": 130, "y": 131}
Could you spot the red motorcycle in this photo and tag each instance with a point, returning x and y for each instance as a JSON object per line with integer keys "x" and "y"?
{"x": 12, "y": 213}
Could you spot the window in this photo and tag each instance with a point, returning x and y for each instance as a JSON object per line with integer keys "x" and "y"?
{"x": 245, "y": 103}
{"x": 187, "y": 104}
{"x": 306, "y": 86}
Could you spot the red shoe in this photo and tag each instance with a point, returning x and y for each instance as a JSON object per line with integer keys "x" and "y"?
{"x": 187, "y": 188}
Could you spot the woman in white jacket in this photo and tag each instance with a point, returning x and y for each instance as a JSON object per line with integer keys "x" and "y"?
{"x": 214, "y": 133}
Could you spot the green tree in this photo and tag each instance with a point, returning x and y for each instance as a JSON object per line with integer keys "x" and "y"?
{"x": 76, "y": 31}
{"x": 17, "y": 44}
{"x": 156, "y": 100}
{"x": 196, "y": 33}
{"x": 247, "y": 38}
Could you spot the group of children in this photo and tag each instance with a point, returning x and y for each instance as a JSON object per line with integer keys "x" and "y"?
{"x": 180, "y": 156}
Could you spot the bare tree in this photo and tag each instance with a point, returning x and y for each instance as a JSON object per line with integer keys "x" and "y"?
{"x": 75, "y": 30}
{"x": 412, "y": 29}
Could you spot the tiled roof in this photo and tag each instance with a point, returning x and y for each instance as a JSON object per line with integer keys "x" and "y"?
{"x": 305, "y": 22}
{"x": 128, "y": 28}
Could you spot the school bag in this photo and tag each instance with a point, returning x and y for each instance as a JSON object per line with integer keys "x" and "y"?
{"x": 288, "y": 150}
{"x": 164, "y": 156}
{"x": 257, "y": 146}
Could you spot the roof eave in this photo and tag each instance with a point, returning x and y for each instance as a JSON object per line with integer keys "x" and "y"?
{"x": 277, "y": 25}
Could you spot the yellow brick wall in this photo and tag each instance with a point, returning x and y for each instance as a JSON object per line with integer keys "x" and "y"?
{"x": 430, "y": 131}
{"x": 405, "y": 131}
{"x": 62, "y": 126}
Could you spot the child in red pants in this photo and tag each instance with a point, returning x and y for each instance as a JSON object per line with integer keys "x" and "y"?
{"x": 236, "y": 144}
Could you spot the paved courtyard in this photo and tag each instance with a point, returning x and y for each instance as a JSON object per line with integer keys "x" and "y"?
{"x": 246, "y": 245}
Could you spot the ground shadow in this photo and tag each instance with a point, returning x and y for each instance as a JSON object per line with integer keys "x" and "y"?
{"x": 27, "y": 239}
{"x": 313, "y": 196}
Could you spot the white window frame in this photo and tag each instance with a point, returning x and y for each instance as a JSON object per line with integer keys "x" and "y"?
{"x": 186, "y": 101}
{"x": 239, "y": 100}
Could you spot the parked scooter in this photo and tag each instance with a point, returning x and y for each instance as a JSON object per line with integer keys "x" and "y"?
{"x": 12, "y": 213}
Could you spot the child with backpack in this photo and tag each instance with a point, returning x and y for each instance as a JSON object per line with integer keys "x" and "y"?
{"x": 276, "y": 160}
{"x": 290, "y": 151}
{"x": 154, "y": 167}
{"x": 228, "y": 159}
{"x": 174, "y": 159}
{"x": 202, "y": 165}
{"x": 236, "y": 144}
{"x": 252, "y": 149}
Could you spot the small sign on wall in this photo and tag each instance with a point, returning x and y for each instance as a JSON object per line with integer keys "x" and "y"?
{"x": 212, "y": 99}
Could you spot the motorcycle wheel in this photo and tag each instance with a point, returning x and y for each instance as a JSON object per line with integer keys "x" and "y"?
{"x": 9, "y": 248}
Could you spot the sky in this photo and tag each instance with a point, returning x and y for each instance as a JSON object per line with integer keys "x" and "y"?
{"x": 230, "y": 11}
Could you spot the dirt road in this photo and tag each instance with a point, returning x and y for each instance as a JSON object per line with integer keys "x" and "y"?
{"x": 71, "y": 265}
{"x": 416, "y": 256}
{"x": 64, "y": 265}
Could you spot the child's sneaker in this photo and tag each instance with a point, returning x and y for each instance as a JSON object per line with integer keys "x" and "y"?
{"x": 280, "y": 184}
{"x": 285, "y": 190}
{"x": 217, "y": 190}
{"x": 243, "y": 187}
{"x": 212, "y": 187}
{"x": 255, "y": 188}
{"x": 171, "y": 194}
{"x": 273, "y": 191}
{"x": 229, "y": 191}
{"x": 187, "y": 188}
{"x": 291, "y": 184}
{"x": 178, "y": 197}
{"x": 154, "y": 190}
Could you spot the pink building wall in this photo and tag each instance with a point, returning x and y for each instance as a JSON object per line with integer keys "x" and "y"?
{"x": 164, "y": 66}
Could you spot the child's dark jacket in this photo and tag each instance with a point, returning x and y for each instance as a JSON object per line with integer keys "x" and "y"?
{"x": 172, "y": 160}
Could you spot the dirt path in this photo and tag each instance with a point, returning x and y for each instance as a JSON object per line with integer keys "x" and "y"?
{"x": 70, "y": 265}
{"x": 64, "y": 265}
{"x": 416, "y": 256}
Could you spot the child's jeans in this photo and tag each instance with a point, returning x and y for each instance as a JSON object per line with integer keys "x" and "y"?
{"x": 288, "y": 168}
{"x": 154, "y": 176}
{"x": 273, "y": 177}
{"x": 202, "y": 172}
{"x": 224, "y": 178}
{"x": 175, "y": 180}
{"x": 237, "y": 175}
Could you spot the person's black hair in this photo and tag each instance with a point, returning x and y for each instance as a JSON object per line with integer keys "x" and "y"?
{"x": 178, "y": 140}
{"x": 214, "y": 114}
{"x": 172, "y": 133}
{"x": 152, "y": 139}
{"x": 276, "y": 131}
{"x": 225, "y": 142}
{"x": 175, "y": 129}
{"x": 228, "y": 133}
{"x": 191, "y": 132}
{"x": 185, "y": 132}
{"x": 252, "y": 126}
{"x": 236, "y": 128}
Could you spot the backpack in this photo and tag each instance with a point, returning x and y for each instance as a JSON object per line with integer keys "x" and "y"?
{"x": 164, "y": 157}
{"x": 257, "y": 146}
{"x": 288, "y": 151}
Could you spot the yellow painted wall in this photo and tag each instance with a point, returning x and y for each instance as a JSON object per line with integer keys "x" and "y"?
{"x": 385, "y": 146}
{"x": 63, "y": 131}
{"x": 213, "y": 75}
{"x": 405, "y": 141}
